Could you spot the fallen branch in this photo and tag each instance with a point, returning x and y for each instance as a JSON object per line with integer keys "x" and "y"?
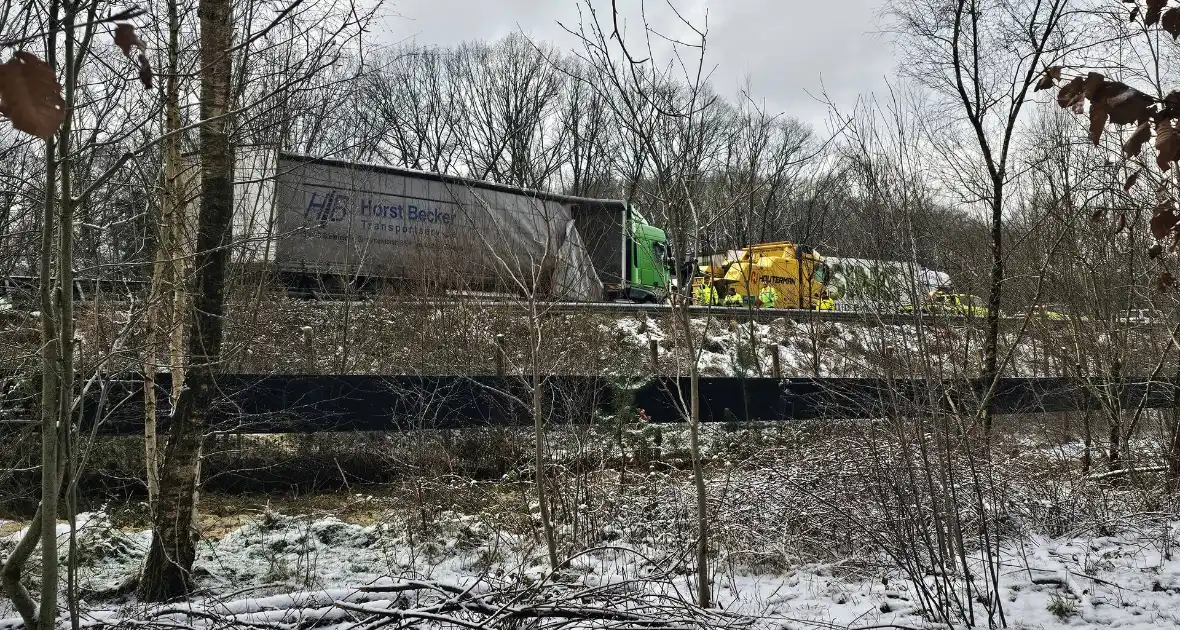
{"x": 1128, "y": 471}
{"x": 425, "y": 604}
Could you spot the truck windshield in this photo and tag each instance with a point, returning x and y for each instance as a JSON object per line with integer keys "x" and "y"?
{"x": 659, "y": 252}
{"x": 821, "y": 273}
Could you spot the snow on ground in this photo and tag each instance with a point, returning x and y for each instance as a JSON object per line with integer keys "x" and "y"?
{"x": 730, "y": 347}
{"x": 1127, "y": 580}
{"x": 87, "y": 521}
{"x": 106, "y": 555}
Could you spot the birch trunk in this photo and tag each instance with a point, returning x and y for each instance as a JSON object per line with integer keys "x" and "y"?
{"x": 167, "y": 571}
{"x": 165, "y": 310}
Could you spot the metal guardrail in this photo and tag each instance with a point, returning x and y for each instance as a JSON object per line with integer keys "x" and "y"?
{"x": 760, "y": 315}
{"x": 84, "y": 289}
{"x": 26, "y": 287}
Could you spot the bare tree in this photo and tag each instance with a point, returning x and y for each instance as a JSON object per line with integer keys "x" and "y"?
{"x": 984, "y": 61}
{"x": 416, "y": 113}
{"x": 665, "y": 112}
{"x": 173, "y": 549}
{"x": 51, "y": 115}
{"x": 166, "y": 303}
{"x": 509, "y": 95}
{"x": 590, "y": 143}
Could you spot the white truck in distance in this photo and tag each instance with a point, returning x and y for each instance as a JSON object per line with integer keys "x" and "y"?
{"x": 883, "y": 286}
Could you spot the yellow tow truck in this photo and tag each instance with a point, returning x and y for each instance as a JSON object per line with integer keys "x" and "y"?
{"x": 778, "y": 275}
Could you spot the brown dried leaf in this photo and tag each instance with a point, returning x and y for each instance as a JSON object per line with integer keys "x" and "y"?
{"x": 1154, "y": 251}
{"x": 1049, "y": 79}
{"x": 1122, "y": 223}
{"x": 145, "y": 71}
{"x": 1098, "y": 116}
{"x": 1167, "y": 144}
{"x": 1098, "y": 215}
{"x": 1070, "y": 95}
{"x": 1131, "y": 181}
{"x": 1093, "y": 83}
{"x": 1163, "y": 221}
{"x": 1124, "y": 103}
{"x": 1164, "y": 282}
{"x": 1134, "y": 145}
{"x": 30, "y": 95}
{"x": 1171, "y": 22}
{"x": 125, "y": 38}
{"x": 1148, "y": 115}
{"x": 1171, "y": 105}
{"x": 1154, "y": 8}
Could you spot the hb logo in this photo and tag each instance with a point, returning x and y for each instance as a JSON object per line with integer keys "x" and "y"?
{"x": 330, "y": 207}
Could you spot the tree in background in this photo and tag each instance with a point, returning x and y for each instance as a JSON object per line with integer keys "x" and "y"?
{"x": 668, "y": 134}
{"x": 983, "y": 61}
{"x": 36, "y": 104}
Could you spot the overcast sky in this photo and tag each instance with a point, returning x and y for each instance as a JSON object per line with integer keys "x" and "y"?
{"x": 785, "y": 47}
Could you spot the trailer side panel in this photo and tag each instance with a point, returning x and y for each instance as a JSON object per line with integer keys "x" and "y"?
{"x": 428, "y": 231}
{"x": 603, "y": 226}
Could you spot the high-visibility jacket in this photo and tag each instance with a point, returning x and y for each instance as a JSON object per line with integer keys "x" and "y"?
{"x": 768, "y": 296}
{"x": 705, "y": 294}
{"x": 733, "y": 300}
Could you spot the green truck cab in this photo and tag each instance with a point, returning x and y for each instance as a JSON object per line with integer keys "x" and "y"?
{"x": 630, "y": 255}
{"x": 650, "y": 275}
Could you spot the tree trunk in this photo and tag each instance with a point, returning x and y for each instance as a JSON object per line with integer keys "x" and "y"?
{"x": 1087, "y": 442}
{"x": 163, "y": 313}
{"x": 56, "y": 364}
{"x": 150, "y": 438}
{"x": 539, "y": 417}
{"x": 1114, "y": 395}
{"x": 539, "y": 462}
{"x": 51, "y": 372}
{"x": 1174, "y": 448}
{"x": 167, "y": 571}
{"x": 1173, "y": 455}
{"x": 991, "y": 347}
{"x": 22, "y": 601}
{"x": 704, "y": 593}
{"x": 65, "y": 331}
{"x": 1115, "y": 458}
{"x": 50, "y": 392}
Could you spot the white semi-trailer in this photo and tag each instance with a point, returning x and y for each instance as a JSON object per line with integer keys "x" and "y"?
{"x": 317, "y": 221}
{"x": 868, "y": 285}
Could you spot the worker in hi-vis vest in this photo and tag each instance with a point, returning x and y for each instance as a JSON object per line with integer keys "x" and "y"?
{"x": 706, "y": 294}
{"x": 768, "y": 296}
{"x": 732, "y": 298}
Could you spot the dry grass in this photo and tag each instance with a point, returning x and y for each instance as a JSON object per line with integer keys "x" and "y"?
{"x": 502, "y": 503}
{"x": 8, "y": 528}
